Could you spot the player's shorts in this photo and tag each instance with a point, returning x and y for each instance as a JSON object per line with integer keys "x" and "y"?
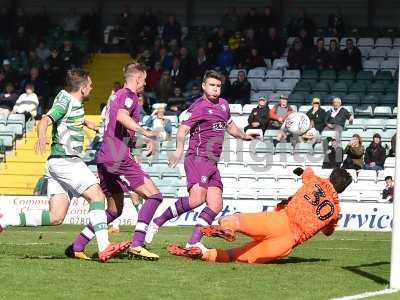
{"x": 69, "y": 176}
{"x": 202, "y": 171}
{"x": 120, "y": 177}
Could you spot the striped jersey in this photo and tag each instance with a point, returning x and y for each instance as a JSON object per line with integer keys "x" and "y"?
{"x": 68, "y": 118}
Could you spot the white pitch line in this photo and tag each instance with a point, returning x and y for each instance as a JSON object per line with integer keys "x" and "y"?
{"x": 23, "y": 244}
{"x": 368, "y": 294}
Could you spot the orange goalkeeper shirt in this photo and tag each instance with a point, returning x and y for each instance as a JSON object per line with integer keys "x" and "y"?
{"x": 314, "y": 207}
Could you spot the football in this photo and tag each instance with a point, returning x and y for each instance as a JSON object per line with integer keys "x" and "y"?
{"x": 297, "y": 123}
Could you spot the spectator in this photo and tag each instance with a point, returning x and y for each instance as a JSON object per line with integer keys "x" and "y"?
{"x": 319, "y": 56}
{"x": 267, "y": 20}
{"x": 351, "y": 57}
{"x": 69, "y": 55}
{"x": 172, "y": 30}
{"x": 226, "y": 87}
{"x": 273, "y": 46}
{"x": 235, "y": 41}
{"x": 250, "y": 40}
{"x": 259, "y": 116}
{"x": 19, "y": 63}
{"x": 9, "y": 74}
{"x": 226, "y": 59}
{"x": 212, "y": 53}
{"x": 334, "y": 56}
{"x": 333, "y": 154}
{"x": 251, "y": 20}
{"x": 306, "y": 39}
{"x": 40, "y": 88}
{"x": 195, "y": 93}
{"x": 186, "y": 61}
{"x": 8, "y": 100}
{"x": 335, "y": 25}
{"x": 164, "y": 87}
{"x": 201, "y": 63}
{"x": 176, "y": 103}
{"x": 392, "y": 151}
{"x": 317, "y": 115}
{"x": 165, "y": 58}
{"x": 56, "y": 68}
{"x": 21, "y": 41}
{"x": 255, "y": 60}
{"x": 388, "y": 191}
{"x": 279, "y": 113}
{"x": 230, "y": 21}
{"x": 178, "y": 75}
{"x": 241, "y": 89}
{"x": 297, "y": 57}
{"x": 220, "y": 38}
{"x": 41, "y": 187}
{"x": 42, "y": 52}
{"x": 355, "y": 153}
{"x": 375, "y": 154}
{"x": 336, "y": 117}
{"x": 27, "y": 103}
{"x": 154, "y": 75}
{"x": 158, "y": 122}
{"x": 3, "y": 82}
{"x": 34, "y": 60}
{"x": 299, "y": 22}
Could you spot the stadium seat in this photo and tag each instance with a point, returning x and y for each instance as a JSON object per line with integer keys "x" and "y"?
{"x": 389, "y": 99}
{"x": 304, "y": 108}
{"x": 302, "y": 87}
{"x": 365, "y": 76}
{"x": 357, "y": 88}
{"x": 284, "y": 148}
{"x": 365, "y": 42}
{"x": 271, "y": 133}
{"x": 390, "y": 65}
{"x": 303, "y": 148}
{"x": 264, "y": 146}
{"x": 321, "y": 86}
{"x": 247, "y": 108}
{"x": 350, "y": 196}
{"x": 296, "y": 98}
{"x": 376, "y": 87}
{"x": 345, "y": 76}
{"x": 256, "y": 73}
{"x": 292, "y": 74}
{"x": 280, "y": 64}
{"x": 391, "y": 87}
{"x": 284, "y": 86}
{"x": 318, "y": 148}
{"x": 339, "y": 87}
{"x": 264, "y": 85}
{"x": 393, "y": 54}
{"x": 274, "y": 74}
{"x": 235, "y": 109}
{"x": 371, "y": 65}
{"x": 383, "y": 111}
{"x": 240, "y": 121}
{"x": 365, "y": 52}
{"x": 295, "y": 160}
{"x": 371, "y": 99}
{"x": 378, "y": 54}
{"x": 383, "y": 42}
{"x": 173, "y": 119}
{"x": 351, "y": 99}
{"x": 310, "y": 74}
{"x": 391, "y": 124}
{"x": 383, "y": 76}
{"x": 327, "y": 75}
{"x": 358, "y": 123}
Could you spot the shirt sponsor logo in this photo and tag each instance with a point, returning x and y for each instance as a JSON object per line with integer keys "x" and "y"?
{"x": 128, "y": 102}
{"x": 219, "y": 126}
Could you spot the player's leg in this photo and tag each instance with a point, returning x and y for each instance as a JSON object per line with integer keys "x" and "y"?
{"x": 136, "y": 200}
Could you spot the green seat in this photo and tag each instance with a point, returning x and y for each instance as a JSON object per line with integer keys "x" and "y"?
{"x": 391, "y": 88}
{"x": 321, "y": 87}
{"x": 357, "y": 88}
{"x": 346, "y": 76}
{"x": 351, "y": 99}
{"x": 389, "y": 99}
{"x": 370, "y": 100}
{"x": 365, "y": 75}
{"x": 327, "y": 75}
{"x": 383, "y": 75}
{"x": 377, "y": 87}
{"x": 311, "y": 82}
{"x": 310, "y": 74}
{"x": 296, "y": 98}
{"x": 339, "y": 87}
{"x": 303, "y": 87}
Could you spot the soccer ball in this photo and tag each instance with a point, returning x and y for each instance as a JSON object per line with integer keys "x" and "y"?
{"x": 297, "y": 123}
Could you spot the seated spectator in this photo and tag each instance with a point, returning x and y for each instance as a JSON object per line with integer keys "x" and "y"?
{"x": 306, "y": 39}
{"x": 241, "y": 89}
{"x": 201, "y": 63}
{"x": 226, "y": 59}
{"x": 226, "y": 87}
{"x": 273, "y": 46}
{"x": 259, "y": 116}
{"x": 159, "y": 123}
{"x": 8, "y": 100}
{"x": 300, "y": 21}
{"x": 164, "y": 87}
{"x": 230, "y": 20}
{"x": 9, "y": 73}
{"x": 3, "y": 82}
{"x": 178, "y": 75}
{"x": 388, "y": 191}
{"x": 40, "y": 87}
{"x": 334, "y": 56}
{"x": 27, "y": 103}
{"x": 267, "y": 20}
{"x": 297, "y": 56}
{"x": 56, "y": 68}
{"x": 41, "y": 187}
{"x": 69, "y": 55}
{"x": 333, "y": 154}
{"x": 234, "y": 41}
{"x": 255, "y": 60}
{"x": 176, "y": 103}
{"x": 392, "y": 151}
{"x": 351, "y": 57}
{"x": 336, "y": 117}
{"x": 195, "y": 93}
{"x": 355, "y": 154}
{"x": 154, "y": 75}
{"x": 165, "y": 58}
{"x": 318, "y": 56}
{"x": 186, "y": 61}
{"x": 335, "y": 25}
{"x": 375, "y": 154}
{"x": 279, "y": 113}
{"x": 317, "y": 115}
{"x": 172, "y": 30}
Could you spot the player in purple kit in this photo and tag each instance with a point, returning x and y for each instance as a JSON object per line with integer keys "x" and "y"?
{"x": 118, "y": 171}
{"x": 207, "y": 119}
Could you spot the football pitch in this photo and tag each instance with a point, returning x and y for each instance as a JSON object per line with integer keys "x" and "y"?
{"x": 33, "y": 265}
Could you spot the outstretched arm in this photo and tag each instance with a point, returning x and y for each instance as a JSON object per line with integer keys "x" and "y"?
{"x": 236, "y": 132}
{"x": 126, "y": 121}
{"x": 180, "y": 144}
{"x": 40, "y": 146}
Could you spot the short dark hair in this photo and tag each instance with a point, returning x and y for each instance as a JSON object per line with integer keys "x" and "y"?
{"x": 388, "y": 178}
{"x": 320, "y": 39}
{"x": 133, "y": 68}
{"x": 212, "y": 74}
{"x": 340, "y": 179}
{"x": 75, "y": 79}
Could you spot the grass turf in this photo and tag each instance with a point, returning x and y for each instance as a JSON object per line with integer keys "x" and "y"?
{"x": 33, "y": 265}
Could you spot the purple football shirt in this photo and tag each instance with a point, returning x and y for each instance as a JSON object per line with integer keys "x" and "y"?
{"x": 117, "y": 139}
{"x": 207, "y": 122}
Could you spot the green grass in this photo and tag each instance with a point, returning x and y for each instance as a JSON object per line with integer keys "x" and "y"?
{"x": 32, "y": 265}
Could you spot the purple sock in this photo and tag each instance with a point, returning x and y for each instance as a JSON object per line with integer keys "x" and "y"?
{"x": 180, "y": 206}
{"x": 87, "y": 234}
{"x": 146, "y": 213}
{"x": 206, "y": 217}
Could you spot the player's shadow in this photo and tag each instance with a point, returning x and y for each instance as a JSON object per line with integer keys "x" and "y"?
{"x": 297, "y": 260}
{"x": 357, "y": 270}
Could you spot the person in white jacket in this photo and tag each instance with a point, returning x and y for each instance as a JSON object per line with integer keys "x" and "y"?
{"x": 27, "y": 103}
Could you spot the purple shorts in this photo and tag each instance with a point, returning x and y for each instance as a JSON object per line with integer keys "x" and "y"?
{"x": 202, "y": 171}
{"x": 120, "y": 177}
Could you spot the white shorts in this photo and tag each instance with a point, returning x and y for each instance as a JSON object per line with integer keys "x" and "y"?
{"x": 69, "y": 176}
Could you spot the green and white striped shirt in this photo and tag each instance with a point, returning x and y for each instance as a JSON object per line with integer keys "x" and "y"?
{"x": 68, "y": 118}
